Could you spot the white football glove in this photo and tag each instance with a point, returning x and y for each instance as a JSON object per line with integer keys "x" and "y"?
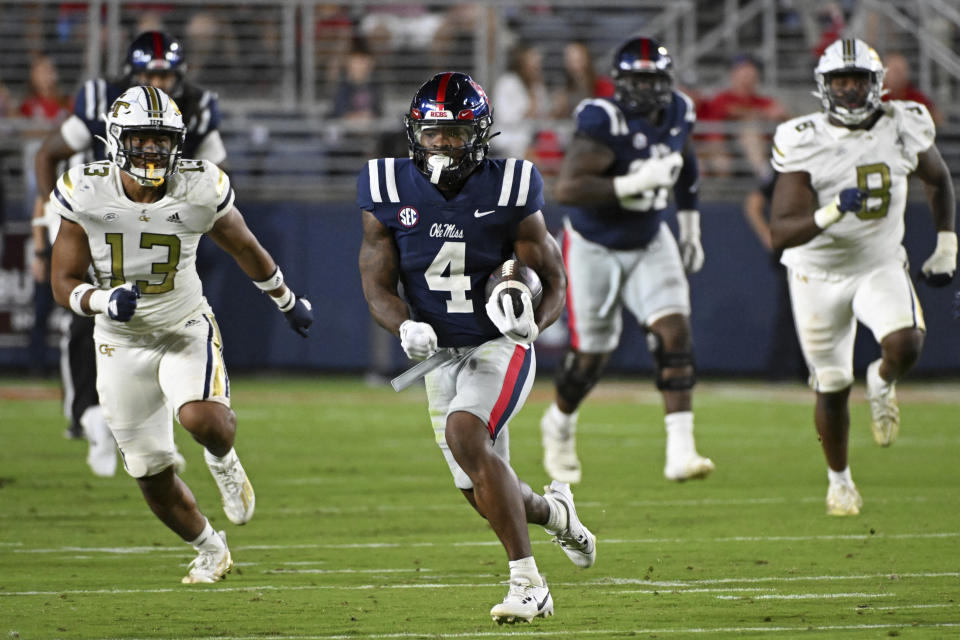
{"x": 940, "y": 267}
{"x": 652, "y": 174}
{"x": 523, "y": 329}
{"x": 691, "y": 251}
{"x": 418, "y": 339}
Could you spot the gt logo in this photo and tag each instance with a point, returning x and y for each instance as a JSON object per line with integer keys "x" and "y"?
{"x": 107, "y": 350}
{"x": 117, "y": 105}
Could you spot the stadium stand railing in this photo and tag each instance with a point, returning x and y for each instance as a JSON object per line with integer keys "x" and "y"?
{"x": 275, "y": 65}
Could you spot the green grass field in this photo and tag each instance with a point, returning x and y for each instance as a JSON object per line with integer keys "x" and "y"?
{"x": 359, "y": 532}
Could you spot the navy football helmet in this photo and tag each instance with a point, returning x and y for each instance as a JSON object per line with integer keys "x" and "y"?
{"x": 449, "y": 128}
{"x": 643, "y": 73}
{"x": 154, "y": 52}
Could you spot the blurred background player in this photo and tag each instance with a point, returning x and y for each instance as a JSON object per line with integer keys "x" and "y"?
{"x": 155, "y": 59}
{"x": 137, "y": 219}
{"x": 626, "y": 156}
{"x": 837, "y": 212}
{"x": 440, "y": 222}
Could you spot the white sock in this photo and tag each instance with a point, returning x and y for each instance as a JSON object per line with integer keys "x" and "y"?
{"x": 877, "y": 381}
{"x": 840, "y": 477}
{"x": 679, "y": 435}
{"x": 558, "y": 520}
{"x": 566, "y": 423}
{"x": 207, "y": 540}
{"x": 526, "y": 568}
{"x": 212, "y": 459}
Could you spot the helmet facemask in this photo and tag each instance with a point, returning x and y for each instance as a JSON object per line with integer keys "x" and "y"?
{"x": 643, "y": 92}
{"x": 148, "y": 154}
{"x": 447, "y": 152}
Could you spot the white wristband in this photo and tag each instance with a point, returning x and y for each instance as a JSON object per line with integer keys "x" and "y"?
{"x": 827, "y": 215}
{"x": 286, "y": 301}
{"x": 688, "y": 223}
{"x": 946, "y": 243}
{"x": 76, "y": 298}
{"x": 271, "y": 283}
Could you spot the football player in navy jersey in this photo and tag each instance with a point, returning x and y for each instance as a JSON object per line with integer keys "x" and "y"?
{"x": 154, "y": 59}
{"x": 627, "y": 154}
{"x": 438, "y": 223}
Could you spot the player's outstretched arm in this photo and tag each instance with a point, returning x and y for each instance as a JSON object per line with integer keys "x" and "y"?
{"x": 581, "y": 180}
{"x": 940, "y": 267}
{"x": 794, "y": 216}
{"x": 71, "y": 259}
{"x": 232, "y": 235}
{"x": 380, "y": 275}
{"x": 537, "y": 249}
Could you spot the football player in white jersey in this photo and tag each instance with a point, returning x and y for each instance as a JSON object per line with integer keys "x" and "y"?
{"x": 138, "y": 218}
{"x": 837, "y": 212}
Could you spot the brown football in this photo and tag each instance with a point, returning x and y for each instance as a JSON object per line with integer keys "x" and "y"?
{"x": 514, "y": 271}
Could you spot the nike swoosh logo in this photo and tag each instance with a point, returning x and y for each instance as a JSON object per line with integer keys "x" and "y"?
{"x": 479, "y": 214}
{"x": 543, "y": 603}
{"x": 674, "y": 131}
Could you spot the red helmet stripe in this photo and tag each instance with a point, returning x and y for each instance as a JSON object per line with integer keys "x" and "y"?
{"x": 158, "y": 46}
{"x": 645, "y": 49}
{"x": 442, "y": 89}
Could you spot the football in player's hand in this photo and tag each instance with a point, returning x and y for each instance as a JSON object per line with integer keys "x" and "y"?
{"x": 510, "y": 279}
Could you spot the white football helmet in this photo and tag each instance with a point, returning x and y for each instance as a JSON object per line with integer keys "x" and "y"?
{"x": 146, "y": 110}
{"x": 850, "y": 56}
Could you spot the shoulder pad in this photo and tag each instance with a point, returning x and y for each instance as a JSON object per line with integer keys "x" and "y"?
{"x": 206, "y": 184}
{"x": 380, "y": 179}
{"x": 521, "y": 185}
{"x": 914, "y": 124}
{"x": 600, "y": 118}
{"x": 79, "y": 188}
{"x": 795, "y": 141}
{"x": 690, "y": 114}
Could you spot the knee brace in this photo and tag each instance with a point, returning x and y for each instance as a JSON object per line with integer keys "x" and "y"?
{"x": 574, "y": 379}
{"x": 663, "y": 359}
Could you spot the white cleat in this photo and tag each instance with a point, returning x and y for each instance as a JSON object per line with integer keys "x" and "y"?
{"x": 884, "y": 412}
{"x": 102, "y": 452}
{"x": 210, "y": 566}
{"x": 560, "y": 447}
{"x": 235, "y": 489}
{"x": 696, "y": 466}
{"x": 576, "y": 540}
{"x": 523, "y": 603}
{"x": 843, "y": 500}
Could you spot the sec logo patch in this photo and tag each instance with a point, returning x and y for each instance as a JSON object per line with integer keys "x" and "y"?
{"x": 408, "y": 217}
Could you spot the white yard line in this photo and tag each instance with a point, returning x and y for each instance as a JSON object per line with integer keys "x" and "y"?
{"x": 553, "y": 632}
{"x": 489, "y": 543}
{"x": 679, "y": 586}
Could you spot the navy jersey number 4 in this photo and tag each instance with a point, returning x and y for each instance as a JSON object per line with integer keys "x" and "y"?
{"x": 447, "y": 248}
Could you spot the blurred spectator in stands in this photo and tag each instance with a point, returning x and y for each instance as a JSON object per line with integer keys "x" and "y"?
{"x": 754, "y": 112}
{"x": 898, "y": 85}
{"x": 333, "y": 33}
{"x": 45, "y": 102}
{"x": 46, "y": 106}
{"x": 214, "y": 56}
{"x": 358, "y": 96}
{"x": 519, "y": 101}
{"x": 8, "y": 108}
{"x": 825, "y": 24}
{"x": 580, "y": 80}
{"x": 453, "y": 43}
